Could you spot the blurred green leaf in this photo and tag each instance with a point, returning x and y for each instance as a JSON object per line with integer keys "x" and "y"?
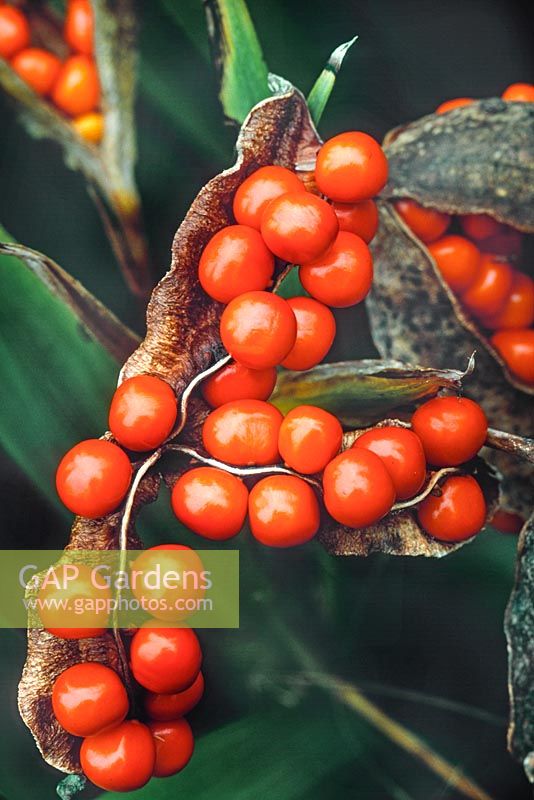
{"x": 361, "y": 391}
{"x": 322, "y": 88}
{"x": 100, "y": 324}
{"x": 56, "y": 379}
{"x": 188, "y": 15}
{"x": 21, "y": 767}
{"x": 280, "y": 754}
{"x": 238, "y": 57}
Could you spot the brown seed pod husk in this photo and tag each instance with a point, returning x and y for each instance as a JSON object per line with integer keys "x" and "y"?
{"x": 48, "y": 656}
{"x": 475, "y": 159}
{"x": 519, "y": 628}
{"x": 478, "y": 159}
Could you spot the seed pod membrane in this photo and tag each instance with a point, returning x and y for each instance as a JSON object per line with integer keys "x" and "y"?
{"x": 476, "y": 159}
{"x": 519, "y": 629}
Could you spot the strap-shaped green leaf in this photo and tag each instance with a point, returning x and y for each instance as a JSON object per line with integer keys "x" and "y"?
{"x": 238, "y": 57}
{"x": 56, "y": 374}
{"x": 322, "y": 88}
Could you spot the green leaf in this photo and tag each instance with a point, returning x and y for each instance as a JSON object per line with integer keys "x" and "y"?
{"x": 56, "y": 377}
{"x": 21, "y": 767}
{"x": 322, "y": 88}
{"x": 362, "y": 391}
{"x": 238, "y": 57}
{"x": 283, "y": 754}
{"x": 99, "y": 322}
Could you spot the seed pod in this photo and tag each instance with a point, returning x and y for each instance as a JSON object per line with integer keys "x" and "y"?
{"x": 476, "y": 159}
{"x": 519, "y": 629}
{"x": 48, "y": 656}
{"x": 182, "y": 346}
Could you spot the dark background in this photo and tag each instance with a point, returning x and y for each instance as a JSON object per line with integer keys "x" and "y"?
{"x": 428, "y": 627}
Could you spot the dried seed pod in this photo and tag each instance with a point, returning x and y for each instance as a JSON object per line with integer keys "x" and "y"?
{"x": 476, "y": 159}
{"x": 182, "y": 346}
{"x": 399, "y": 533}
{"x": 48, "y": 656}
{"x": 519, "y": 628}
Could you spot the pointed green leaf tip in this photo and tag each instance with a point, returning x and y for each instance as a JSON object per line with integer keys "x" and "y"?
{"x": 238, "y": 57}
{"x": 322, "y": 88}
{"x": 69, "y": 787}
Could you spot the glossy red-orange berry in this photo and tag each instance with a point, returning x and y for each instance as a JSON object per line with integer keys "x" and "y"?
{"x": 358, "y": 490}
{"x": 90, "y": 126}
{"x": 491, "y": 288}
{"x": 516, "y": 348}
{"x": 93, "y": 477}
{"x": 309, "y": 438}
{"x": 283, "y": 511}
{"x": 426, "y": 223}
{"x": 359, "y": 218}
{"x": 166, "y": 707}
{"x": 14, "y": 31}
{"x": 257, "y": 191}
{"x": 351, "y": 167}
{"x": 73, "y": 585}
{"x": 506, "y": 522}
{"x": 518, "y": 309}
{"x": 234, "y": 261}
{"x": 88, "y": 698}
{"x": 258, "y": 329}
{"x": 508, "y": 242}
{"x": 480, "y": 226}
{"x": 77, "y": 88}
{"x": 298, "y": 227}
{"x": 78, "y": 29}
{"x": 450, "y": 105}
{"x": 519, "y": 93}
{"x": 120, "y": 759}
{"x": 452, "y": 430}
{"x": 458, "y": 513}
{"x": 39, "y": 68}
{"x": 316, "y": 330}
{"x": 458, "y": 260}
{"x": 142, "y": 412}
{"x": 211, "y": 502}
{"x": 243, "y": 432}
{"x": 165, "y": 660}
{"x": 168, "y": 601}
{"x": 236, "y": 382}
{"x": 343, "y": 276}
{"x": 402, "y": 454}
{"x": 174, "y": 746}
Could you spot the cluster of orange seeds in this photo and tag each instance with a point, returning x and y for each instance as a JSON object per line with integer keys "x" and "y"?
{"x": 515, "y": 93}
{"x": 477, "y": 262}
{"x": 72, "y": 85}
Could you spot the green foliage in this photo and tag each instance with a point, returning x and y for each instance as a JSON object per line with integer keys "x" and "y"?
{"x": 56, "y": 381}
{"x": 322, "y": 88}
{"x": 265, "y": 755}
{"x": 238, "y": 57}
